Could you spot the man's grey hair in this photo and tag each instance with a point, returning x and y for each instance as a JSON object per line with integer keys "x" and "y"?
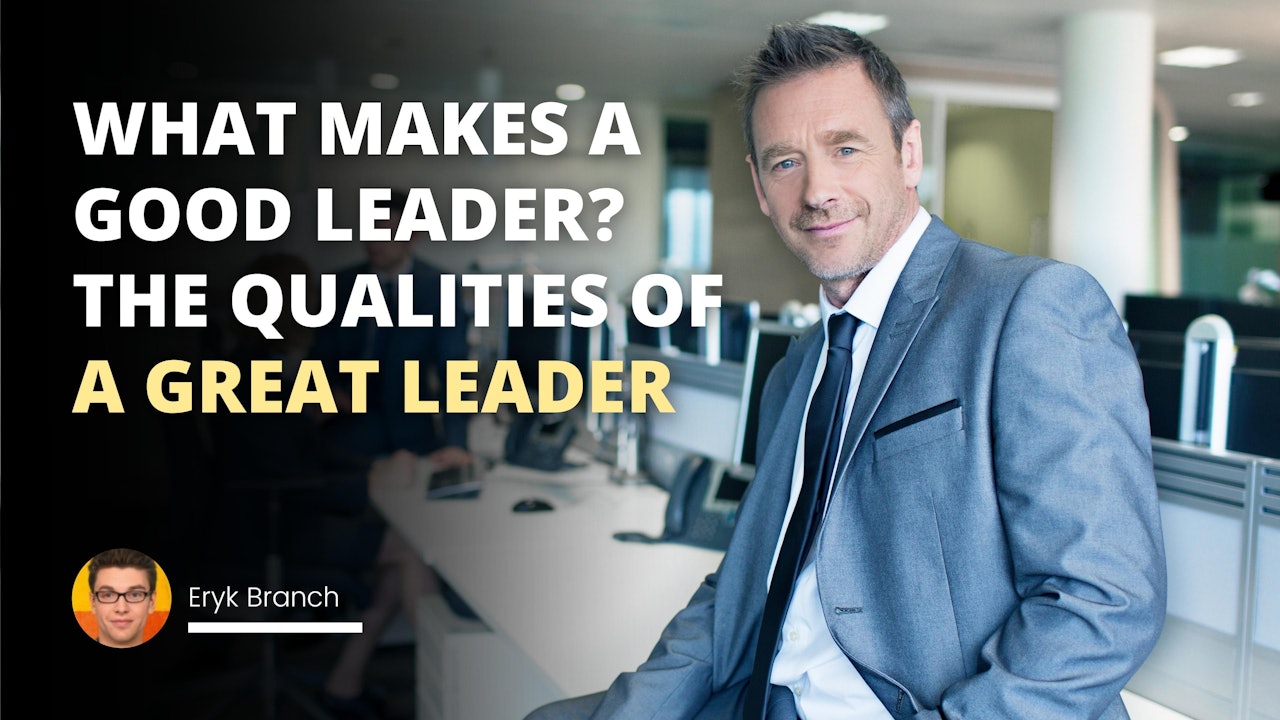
{"x": 793, "y": 49}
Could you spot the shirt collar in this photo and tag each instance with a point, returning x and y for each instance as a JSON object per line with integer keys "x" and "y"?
{"x": 872, "y": 296}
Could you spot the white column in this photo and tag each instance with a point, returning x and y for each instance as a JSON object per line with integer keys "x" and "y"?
{"x": 1101, "y": 204}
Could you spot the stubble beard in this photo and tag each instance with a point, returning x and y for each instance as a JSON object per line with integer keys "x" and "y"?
{"x": 806, "y": 250}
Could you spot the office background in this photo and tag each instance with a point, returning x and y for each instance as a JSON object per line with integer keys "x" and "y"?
{"x": 987, "y": 80}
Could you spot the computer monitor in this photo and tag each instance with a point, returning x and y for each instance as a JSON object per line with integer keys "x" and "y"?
{"x": 705, "y": 398}
{"x": 1157, "y": 327}
{"x": 1253, "y": 424}
{"x": 1150, "y": 313}
{"x": 638, "y": 333}
{"x": 737, "y": 321}
{"x": 1253, "y": 420}
{"x": 589, "y": 344}
{"x": 724, "y": 335}
{"x": 528, "y": 344}
{"x": 766, "y": 346}
{"x": 679, "y": 335}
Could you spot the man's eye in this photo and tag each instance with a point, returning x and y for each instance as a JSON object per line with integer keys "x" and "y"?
{"x": 846, "y": 151}
{"x": 786, "y": 164}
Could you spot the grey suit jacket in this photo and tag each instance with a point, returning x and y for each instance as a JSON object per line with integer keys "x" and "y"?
{"x": 992, "y": 548}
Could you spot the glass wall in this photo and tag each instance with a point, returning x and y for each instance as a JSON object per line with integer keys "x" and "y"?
{"x": 988, "y": 173}
{"x": 998, "y": 175}
{"x": 988, "y": 155}
{"x": 687, "y": 198}
{"x": 1229, "y": 227}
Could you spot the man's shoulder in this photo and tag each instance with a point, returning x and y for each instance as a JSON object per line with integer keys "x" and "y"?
{"x": 1004, "y": 274}
{"x": 976, "y": 252}
{"x": 941, "y": 235}
{"x": 998, "y": 272}
{"x": 978, "y": 260}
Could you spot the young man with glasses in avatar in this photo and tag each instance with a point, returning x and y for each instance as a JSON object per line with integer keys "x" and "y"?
{"x": 122, "y": 586}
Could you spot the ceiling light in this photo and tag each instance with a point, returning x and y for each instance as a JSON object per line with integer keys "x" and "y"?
{"x": 1178, "y": 133}
{"x": 1200, "y": 56}
{"x": 570, "y": 92}
{"x": 861, "y": 23}
{"x": 1246, "y": 99}
{"x": 384, "y": 81}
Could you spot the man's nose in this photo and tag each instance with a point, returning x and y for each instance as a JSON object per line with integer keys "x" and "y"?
{"x": 821, "y": 185}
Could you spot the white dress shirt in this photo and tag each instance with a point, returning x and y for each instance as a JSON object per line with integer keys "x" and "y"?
{"x": 826, "y": 685}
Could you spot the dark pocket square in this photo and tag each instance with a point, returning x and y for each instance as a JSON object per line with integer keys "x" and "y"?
{"x": 914, "y": 418}
{"x": 919, "y": 429}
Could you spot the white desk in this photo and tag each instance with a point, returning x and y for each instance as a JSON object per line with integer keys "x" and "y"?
{"x": 582, "y": 606}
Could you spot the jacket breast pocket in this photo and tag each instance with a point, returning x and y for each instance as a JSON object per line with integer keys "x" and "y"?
{"x": 918, "y": 429}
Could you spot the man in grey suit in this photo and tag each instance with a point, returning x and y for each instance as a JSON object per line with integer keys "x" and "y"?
{"x": 989, "y": 547}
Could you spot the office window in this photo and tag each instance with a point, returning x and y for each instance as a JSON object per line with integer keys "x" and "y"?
{"x": 687, "y": 199}
{"x": 988, "y": 159}
{"x": 998, "y": 175}
{"x": 1229, "y": 223}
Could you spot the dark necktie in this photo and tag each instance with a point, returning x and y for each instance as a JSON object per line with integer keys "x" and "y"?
{"x": 821, "y": 449}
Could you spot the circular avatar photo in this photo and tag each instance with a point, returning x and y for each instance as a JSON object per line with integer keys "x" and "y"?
{"x": 121, "y": 598}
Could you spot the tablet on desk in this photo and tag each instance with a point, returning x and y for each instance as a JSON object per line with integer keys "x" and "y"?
{"x": 462, "y": 481}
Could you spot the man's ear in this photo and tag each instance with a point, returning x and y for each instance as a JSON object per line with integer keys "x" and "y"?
{"x": 912, "y": 154}
{"x": 755, "y": 180}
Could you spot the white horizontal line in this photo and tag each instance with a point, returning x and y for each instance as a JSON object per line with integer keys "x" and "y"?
{"x": 275, "y": 627}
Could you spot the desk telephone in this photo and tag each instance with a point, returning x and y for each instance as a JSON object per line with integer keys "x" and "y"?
{"x": 702, "y": 508}
{"x": 539, "y": 440}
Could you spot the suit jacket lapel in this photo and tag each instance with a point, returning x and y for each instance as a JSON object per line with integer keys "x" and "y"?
{"x": 778, "y": 454}
{"x": 909, "y": 304}
{"x": 747, "y": 562}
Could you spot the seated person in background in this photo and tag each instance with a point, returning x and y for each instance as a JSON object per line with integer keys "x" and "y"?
{"x": 385, "y": 427}
{"x": 328, "y": 523}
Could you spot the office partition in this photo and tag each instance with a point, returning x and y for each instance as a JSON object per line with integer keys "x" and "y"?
{"x": 1217, "y": 658}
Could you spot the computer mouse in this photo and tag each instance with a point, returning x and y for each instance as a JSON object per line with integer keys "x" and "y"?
{"x": 532, "y": 504}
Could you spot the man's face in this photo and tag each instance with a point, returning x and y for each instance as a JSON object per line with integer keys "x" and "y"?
{"x": 828, "y": 174}
{"x": 390, "y": 255}
{"x": 120, "y": 624}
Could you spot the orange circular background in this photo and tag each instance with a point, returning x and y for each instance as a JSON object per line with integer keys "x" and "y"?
{"x": 83, "y": 607}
